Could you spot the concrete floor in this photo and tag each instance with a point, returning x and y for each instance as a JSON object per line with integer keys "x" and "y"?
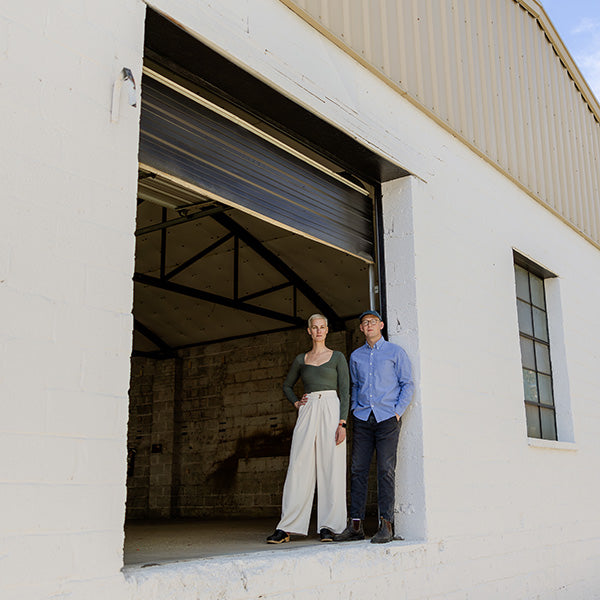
{"x": 149, "y": 543}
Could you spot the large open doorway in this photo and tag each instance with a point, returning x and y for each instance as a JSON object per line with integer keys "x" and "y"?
{"x": 209, "y": 428}
{"x": 244, "y": 229}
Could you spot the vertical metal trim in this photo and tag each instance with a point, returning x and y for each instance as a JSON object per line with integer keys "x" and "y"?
{"x": 380, "y": 252}
{"x": 371, "y": 287}
{"x": 163, "y": 245}
{"x": 236, "y": 267}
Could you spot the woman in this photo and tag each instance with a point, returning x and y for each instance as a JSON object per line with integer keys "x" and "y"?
{"x": 318, "y": 452}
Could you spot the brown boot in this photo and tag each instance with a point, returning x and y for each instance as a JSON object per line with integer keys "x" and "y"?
{"x": 354, "y": 531}
{"x": 384, "y": 534}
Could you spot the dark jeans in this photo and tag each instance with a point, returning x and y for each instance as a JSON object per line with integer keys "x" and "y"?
{"x": 367, "y": 437}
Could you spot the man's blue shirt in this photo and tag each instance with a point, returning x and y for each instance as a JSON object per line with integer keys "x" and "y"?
{"x": 381, "y": 380}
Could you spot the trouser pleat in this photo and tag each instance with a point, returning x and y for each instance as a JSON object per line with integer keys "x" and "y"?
{"x": 315, "y": 459}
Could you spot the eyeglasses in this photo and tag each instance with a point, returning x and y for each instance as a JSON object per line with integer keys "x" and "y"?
{"x": 370, "y": 322}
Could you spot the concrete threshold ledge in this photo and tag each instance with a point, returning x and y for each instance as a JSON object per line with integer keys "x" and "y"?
{"x": 282, "y": 573}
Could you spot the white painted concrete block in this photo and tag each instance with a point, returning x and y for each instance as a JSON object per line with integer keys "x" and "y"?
{"x": 498, "y": 525}
{"x": 60, "y": 132}
{"x": 91, "y": 416}
{"x": 106, "y": 372}
{"x": 99, "y": 284}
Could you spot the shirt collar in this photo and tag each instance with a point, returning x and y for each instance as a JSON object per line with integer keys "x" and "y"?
{"x": 380, "y": 342}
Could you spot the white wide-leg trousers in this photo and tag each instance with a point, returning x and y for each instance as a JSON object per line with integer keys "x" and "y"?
{"x": 314, "y": 458}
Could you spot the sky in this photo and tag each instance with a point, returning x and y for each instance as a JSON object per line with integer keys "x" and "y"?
{"x": 578, "y": 24}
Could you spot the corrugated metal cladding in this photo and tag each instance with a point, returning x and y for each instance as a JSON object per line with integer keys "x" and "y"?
{"x": 488, "y": 71}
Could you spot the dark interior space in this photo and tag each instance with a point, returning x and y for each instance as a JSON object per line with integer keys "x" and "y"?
{"x": 209, "y": 427}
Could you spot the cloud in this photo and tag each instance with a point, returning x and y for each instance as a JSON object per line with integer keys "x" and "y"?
{"x": 587, "y": 54}
{"x": 589, "y": 65}
{"x": 586, "y": 25}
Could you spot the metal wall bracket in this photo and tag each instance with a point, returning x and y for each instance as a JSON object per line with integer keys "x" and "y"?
{"x": 125, "y": 77}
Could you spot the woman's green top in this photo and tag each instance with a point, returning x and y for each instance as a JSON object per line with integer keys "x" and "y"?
{"x": 332, "y": 375}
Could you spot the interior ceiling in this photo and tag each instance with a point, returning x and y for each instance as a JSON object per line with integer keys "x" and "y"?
{"x": 188, "y": 289}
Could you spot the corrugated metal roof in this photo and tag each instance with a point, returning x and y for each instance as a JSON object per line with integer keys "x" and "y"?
{"x": 493, "y": 72}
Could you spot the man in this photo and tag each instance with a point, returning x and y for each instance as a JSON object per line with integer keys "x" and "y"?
{"x": 382, "y": 389}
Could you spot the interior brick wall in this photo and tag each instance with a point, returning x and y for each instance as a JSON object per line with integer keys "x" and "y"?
{"x": 210, "y": 431}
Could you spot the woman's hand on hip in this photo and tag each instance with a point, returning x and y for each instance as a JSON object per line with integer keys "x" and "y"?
{"x": 301, "y": 402}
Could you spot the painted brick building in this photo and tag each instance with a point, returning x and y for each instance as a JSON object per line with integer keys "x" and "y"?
{"x": 439, "y": 161}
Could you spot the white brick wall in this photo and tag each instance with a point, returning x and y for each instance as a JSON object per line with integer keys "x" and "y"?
{"x": 502, "y": 519}
{"x": 403, "y": 329}
{"x": 532, "y": 509}
{"x": 68, "y": 209}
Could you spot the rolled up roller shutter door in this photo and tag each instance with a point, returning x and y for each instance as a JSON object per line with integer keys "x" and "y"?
{"x": 200, "y": 147}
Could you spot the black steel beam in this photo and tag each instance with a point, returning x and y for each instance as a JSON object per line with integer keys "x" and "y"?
{"x": 215, "y": 299}
{"x": 282, "y": 267}
{"x": 235, "y": 337}
{"x": 190, "y": 261}
{"x": 180, "y": 220}
{"x": 156, "y": 354}
{"x": 295, "y": 301}
{"x": 270, "y": 290}
{"x": 151, "y": 336}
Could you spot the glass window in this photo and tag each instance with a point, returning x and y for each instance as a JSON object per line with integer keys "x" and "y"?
{"x": 548, "y": 423}
{"x": 530, "y": 385}
{"x": 540, "y": 327}
{"x": 524, "y": 312}
{"x": 537, "y": 291}
{"x": 542, "y": 357}
{"x": 527, "y": 354}
{"x": 522, "y": 277}
{"x": 535, "y": 354}
{"x": 545, "y": 385}
{"x": 533, "y": 421}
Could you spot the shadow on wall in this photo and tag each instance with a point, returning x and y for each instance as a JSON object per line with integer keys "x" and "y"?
{"x": 261, "y": 445}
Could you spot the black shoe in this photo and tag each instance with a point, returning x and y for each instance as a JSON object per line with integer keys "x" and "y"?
{"x": 278, "y": 537}
{"x": 384, "y": 534}
{"x": 326, "y": 535}
{"x": 354, "y": 531}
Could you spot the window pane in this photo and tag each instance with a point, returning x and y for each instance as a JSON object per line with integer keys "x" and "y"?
{"x": 533, "y": 421}
{"x": 548, "y": 424}
{"x": 537, "y": 291}
{"x": 542, "y": 357}
{"x": 534, "y": 341}
{"x": 540, "y": 327}
{"x": 529, "y": 386}
{"x": 527, "y": 358}
{"x": 524, "y": 312}
{"x": 522, "y": 279}
{"x": 545, "y": 383}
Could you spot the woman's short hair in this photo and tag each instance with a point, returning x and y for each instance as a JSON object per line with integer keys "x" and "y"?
{"x": 316, "y": 316}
